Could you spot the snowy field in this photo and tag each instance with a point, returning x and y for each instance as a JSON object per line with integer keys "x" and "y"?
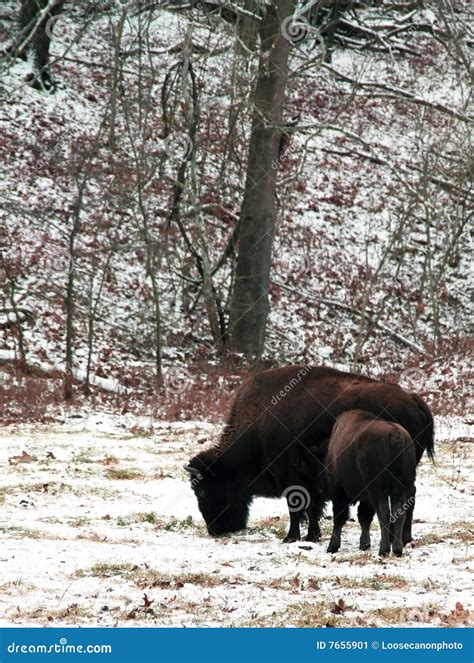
{"x": 100, "y": 527}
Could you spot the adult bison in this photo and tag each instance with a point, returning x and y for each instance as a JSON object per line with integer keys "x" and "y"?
{"x": 276, "y": 434}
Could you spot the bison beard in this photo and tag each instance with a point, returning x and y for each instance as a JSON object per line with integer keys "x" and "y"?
{"x": 276, "y": 438}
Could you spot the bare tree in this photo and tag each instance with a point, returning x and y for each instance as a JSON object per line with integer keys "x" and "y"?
{"x": 249, "y": 311}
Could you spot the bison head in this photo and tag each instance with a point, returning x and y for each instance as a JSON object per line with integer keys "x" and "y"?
{"x": 223, "y": 500}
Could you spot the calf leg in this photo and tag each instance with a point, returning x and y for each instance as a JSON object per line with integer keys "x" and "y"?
{"x": 340, "y": 508}
{"x": 398, "y": 502}
{"x": 294, "y": 531}
{"x": 383, "y": 515}
{"x": 365, "y": 513}
{"x": 410, "y": 502}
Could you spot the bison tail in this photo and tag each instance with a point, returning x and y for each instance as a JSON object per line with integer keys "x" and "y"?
{"x": 426, "y": 436}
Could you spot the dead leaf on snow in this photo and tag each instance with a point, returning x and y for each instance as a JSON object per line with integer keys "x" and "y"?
{"x": 146, "y": 601}
{"x": 457, "y": 616}
{"x": 339, "y": 608}
{"x": 24, "y": 458}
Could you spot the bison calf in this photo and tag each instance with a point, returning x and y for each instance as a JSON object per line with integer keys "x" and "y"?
{"x": 372, "y": 462}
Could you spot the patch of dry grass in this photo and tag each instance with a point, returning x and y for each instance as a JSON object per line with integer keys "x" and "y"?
{"x": 302, "y": 615}
{"x": 377, "y": 582}
{"x": 145, "y": 577}
{"x": 151, "y": 578}
{"x": 106, "y": 570}
{"x": 275, "y": 525}
{"x": 18, "y": 586}
{"x": 461, "y": 531}
{"x": 18, "y": 532}
{"x": 73, "y": 614}
{"x": 395, "y": 615}
{"x": 124, "y": 474}
{"x": 168, "y": 525}
{"x": 84, "y": 456}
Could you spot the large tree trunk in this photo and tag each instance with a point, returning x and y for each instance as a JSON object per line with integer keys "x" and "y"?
{"x": 36, "y": 25}
{"x": 247, "y": 27}
{"x": 249, "y": 308}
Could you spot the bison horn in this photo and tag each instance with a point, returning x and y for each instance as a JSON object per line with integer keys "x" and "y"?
{"x": 192, "y": 470}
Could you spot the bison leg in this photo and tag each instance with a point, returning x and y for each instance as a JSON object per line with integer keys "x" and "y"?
{"x": 340, "y": 509}
{"x": 397, "y": 521}
{"x": 315, "y": 512}
{"x": 406, "y": 533}
{"x": 365, "y": 514}
{"x": 383, "y": 514}
{"x": 294, "y": 531}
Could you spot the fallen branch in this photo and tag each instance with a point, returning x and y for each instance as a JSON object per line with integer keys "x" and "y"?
{"x": 58, "y": 371}
{"x": 12, "y": 316}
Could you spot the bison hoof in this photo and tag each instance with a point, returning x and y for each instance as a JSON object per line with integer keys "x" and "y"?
{"x": 383, "y": 552}
{"x": 398, "y": 552}
{"x": 407, "y": 539}
{"x": 313, "y": 537}
{"x": 290, "y": 539}
{"x": 364, "y": 546}
{"x": 333, "y": 548}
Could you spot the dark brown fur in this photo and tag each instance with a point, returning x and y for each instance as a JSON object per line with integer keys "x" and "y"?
{"x": 372, "y": 462}
{"x": 278, "y": 428}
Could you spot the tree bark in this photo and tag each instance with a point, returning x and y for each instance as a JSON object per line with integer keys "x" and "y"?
{"x": 249, "y": 309}
{"x": 70, "y": 305}
{"x": 35, "y": 34}
{"x": 247, "y": 27}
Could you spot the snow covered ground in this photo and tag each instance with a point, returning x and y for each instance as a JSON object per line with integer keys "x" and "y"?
{"x": 100, "y": 527}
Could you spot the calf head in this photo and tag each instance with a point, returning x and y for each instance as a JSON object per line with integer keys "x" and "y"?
{"x": 223, "y": 500}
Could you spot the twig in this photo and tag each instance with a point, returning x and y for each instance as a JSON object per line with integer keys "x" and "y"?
{"x": 395, "y": 93}
{"x": 350, "y": 309}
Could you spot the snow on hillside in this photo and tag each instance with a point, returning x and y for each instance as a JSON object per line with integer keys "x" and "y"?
{"x": 100, "y": 527}
{"x": 352, "y": 240}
